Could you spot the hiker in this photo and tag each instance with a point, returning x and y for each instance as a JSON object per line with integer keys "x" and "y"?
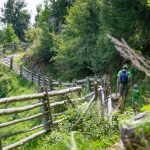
{"x": 123, "y": 79}
{"x": 135, "y": 97}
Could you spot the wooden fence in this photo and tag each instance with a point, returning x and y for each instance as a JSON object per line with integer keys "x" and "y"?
{"x": 46, "y": 111}
{"x": 103, "y": 93}
{"x": 46, "y": 114}
{"x": 45, "y": 81}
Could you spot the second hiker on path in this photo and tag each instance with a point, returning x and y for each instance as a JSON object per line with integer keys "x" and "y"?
{"x": 124, "y": 77}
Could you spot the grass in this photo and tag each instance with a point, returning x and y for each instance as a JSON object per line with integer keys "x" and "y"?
{"x": 12, "y": 85}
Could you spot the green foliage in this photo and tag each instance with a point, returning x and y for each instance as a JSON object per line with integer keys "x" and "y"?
{"x": 83, "y": 46}
{"x": 43, "y": 51}
{"x": 9, "y": 35}
{"x": 77, "y": 41}
{"x": 59, "y": 11}
{"x": 143, "y": 128}
{"x": 146, "y": 108}
{"x": 128, "y": 19}
{"x": 31, "y": 34}
{"x": 14, "y": 13}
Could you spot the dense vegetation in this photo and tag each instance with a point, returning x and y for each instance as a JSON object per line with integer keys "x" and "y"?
{"x": 68, "y": 41}
{"x": 72, "y": 35}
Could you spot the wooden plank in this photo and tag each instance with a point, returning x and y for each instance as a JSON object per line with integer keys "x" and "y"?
{"x": 25, "y": 140}
{"x": 19, "y": 109}
{"x": 21, "y": 120}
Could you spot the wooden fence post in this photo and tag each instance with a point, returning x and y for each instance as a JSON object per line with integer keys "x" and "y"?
{"x": 32, "y": 79}
{"x": 21, "y": 70}
{"x": 44, "y": 109}
{"x": 1, "y": 148}
{"x": 75, "y": 82}
{"x": 88, "y": 84}
{"x": 96, "y": 90}
{"x": 59, "y": 83}
{"x": 109, "y": 103}
{"x": 15, "y": 47}
{"x": 44, "y": 82}
{"x": 50, "y": 83}
{"x": 3, "y": 50}
{"x": 39, "y": 79}
{"x": 11, "y": 63}
{"x": 49, "y": 108}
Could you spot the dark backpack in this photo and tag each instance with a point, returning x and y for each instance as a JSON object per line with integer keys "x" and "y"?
{"x": 124, "y": 77}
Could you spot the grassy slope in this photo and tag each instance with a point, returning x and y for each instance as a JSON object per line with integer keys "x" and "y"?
{"x": 12, "y": 85}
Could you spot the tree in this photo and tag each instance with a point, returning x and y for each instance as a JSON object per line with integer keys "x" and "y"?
{"x": 128, "y": 19}
{"x": 44, "y": 51}
{"x": 14, "y": 13}
{"x": 79, "y": 36}
{"x": 9, "y": 35}
{"x": 59, "y": 11}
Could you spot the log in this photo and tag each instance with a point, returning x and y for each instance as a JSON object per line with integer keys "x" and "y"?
{"x": 38, "y": 95}
{"x": 19, "y": 109}
{"x": 81, "y": 81}
{"x": 58, "y": 114}
{"x": 23, "y": 131}
{"x": 25, "y": 140}
{"x": 21, "y": 120}
{"x": 73, "y": 100}
{"x": 84, "y": 112}
{"x": 58, "y": 121}
{"x": 65, "y": 91}
{"x": 21, "y": 98}
{"x": 58, "y": 103}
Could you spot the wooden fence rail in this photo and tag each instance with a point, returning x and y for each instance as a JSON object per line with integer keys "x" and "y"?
{"x": 46, "y": 114}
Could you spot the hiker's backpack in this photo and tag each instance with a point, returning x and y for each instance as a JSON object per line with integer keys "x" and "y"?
{"x": 124, "y": 77}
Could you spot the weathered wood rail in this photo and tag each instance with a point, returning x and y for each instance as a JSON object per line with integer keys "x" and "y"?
{"x": 45, "y": 114}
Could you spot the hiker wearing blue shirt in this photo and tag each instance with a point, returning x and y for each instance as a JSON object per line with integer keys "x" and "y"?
{"x": 123, "y": 78}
